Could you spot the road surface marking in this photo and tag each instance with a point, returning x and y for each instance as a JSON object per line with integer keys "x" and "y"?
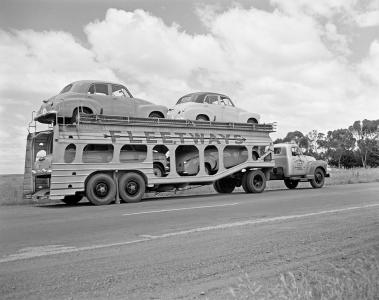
{"x": 183, "y": 208}
{"x": 47, "y": 250}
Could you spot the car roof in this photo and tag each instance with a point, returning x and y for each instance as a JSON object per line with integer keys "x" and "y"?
{"x": 203, "y": 93}
{"x": 94, "y": 81}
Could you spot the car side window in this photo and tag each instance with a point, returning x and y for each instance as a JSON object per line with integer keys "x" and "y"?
{"x": 227, "y": 101}
{"x": 98, "y": 89}
{"x": 91, "y": 89}
{"x": 101, "y": 89}
{"x": 211, "y": 99}
{"x": 119, "y": 91}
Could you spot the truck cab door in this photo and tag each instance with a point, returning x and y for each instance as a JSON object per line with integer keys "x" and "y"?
{"x": 298, "y": 162}
{"x": 122, "y": 103}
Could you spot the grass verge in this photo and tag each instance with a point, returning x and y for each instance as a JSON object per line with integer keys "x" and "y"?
{"x": 358, "y": 278}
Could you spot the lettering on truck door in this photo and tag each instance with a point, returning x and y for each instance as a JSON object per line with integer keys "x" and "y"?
{"x": 297, "y": 161}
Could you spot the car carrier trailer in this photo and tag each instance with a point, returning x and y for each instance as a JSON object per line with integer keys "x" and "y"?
{"x": 106, "y": 158}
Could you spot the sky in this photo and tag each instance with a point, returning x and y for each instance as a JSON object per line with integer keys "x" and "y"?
{"x": 307, "y": 65}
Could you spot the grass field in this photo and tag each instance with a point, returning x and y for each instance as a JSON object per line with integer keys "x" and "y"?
{"x": 11, "y": 186}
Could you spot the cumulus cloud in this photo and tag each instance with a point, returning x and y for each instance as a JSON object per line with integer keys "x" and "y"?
{"x": 368, "y": 19}
{"x": 287, "y": 64}
{"x": 34, "y": 66}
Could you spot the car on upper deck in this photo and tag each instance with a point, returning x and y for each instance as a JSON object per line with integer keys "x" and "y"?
{"x": 96, "y": 97}
{"x": 205, "y": 106}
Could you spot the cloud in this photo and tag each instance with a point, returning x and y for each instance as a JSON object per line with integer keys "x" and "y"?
{"x": 34, "y": 66}
{"x": 291, "y": 65}
{"x": 368, "y": 19}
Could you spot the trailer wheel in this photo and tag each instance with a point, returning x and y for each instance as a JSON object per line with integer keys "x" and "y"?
{"x": 132, "y": 186}
{"x": 319, "y": 179}
{"x": 224, "y": 185}
{"x": 101, "y": 189}
{"x": 254, "y": 181}
{"x": 291, "y": 184}
{"x": 72, "y": 199}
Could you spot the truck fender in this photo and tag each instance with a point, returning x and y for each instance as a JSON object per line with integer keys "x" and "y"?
{"x": 316, "y": 164}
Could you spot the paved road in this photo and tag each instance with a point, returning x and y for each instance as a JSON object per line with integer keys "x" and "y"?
{"x": 180, "y": 247}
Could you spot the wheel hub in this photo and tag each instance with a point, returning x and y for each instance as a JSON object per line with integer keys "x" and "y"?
{"x": 101, "y": 189}
{"x": 132, "y": 187}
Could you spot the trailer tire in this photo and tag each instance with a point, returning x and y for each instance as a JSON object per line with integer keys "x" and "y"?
{"x": 132, "y": 186}
{"x": 72, "y": 199}
{"x": 224, "y": 185}
{"x": 319, "y": 179}
{"x": 291, "y": 184}
{"x": 254, "y": 181}
{"x": 101, "y": 189}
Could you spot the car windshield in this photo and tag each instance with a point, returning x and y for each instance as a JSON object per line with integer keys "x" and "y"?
{"x": 191, "y": 98}
{"x": 66, "y": 89}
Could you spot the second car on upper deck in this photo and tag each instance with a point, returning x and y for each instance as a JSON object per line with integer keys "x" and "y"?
{"x": 204, "y": 106}
{"x": 96, "y": 97}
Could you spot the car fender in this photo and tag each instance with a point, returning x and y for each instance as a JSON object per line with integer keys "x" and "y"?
{"x": 68, "y": 105}
{"x": 144, "y": 110}
{"x": 244, "y": 116}
{"x": 192, "y": 112}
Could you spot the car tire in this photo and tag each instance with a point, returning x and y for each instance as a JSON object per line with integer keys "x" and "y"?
{"x": 155, "y": 114}
{"x": 75, "y": 114}
{"x": 72, "y": 199}
{"x": 291, "y": 184}
{"x": 101, "y": 189}
{"x": 202, "y": 118}
{"x": 319, "y": 179}
{"x": 158, "y": 170}
{"x": 132, "y": 187}
{"x": 252, "y": 121}
{"x": 254, "y": 181}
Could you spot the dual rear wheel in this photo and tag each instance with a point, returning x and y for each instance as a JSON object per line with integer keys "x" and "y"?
{"x": 252, "y": 182}
{"x": 101, "y": 188}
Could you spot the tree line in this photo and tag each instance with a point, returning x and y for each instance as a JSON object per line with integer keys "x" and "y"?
{"x": 355, "y": 146}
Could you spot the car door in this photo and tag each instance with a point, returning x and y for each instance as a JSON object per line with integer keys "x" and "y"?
{"x": 122, "y": 103}
{"x": 99, "y": 93}
{"x": 212, "y": 107}
{"x": 229, "y": 113}
{"x": 298, "y": 161}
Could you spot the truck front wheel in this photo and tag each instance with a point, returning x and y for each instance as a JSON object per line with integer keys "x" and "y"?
{"x": 132, "y": 187}
{"x": 224, "y": 185}
{"x": 319, "y": 179}
{"x": 254, "y": 181}
{"x": 291, "y": 184}
{"x": 101, "y": 189}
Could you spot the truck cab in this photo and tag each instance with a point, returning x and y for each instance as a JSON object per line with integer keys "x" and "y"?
{"x": 292, "y": 166}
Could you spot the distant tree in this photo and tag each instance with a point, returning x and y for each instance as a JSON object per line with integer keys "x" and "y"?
{"x": 295, "y": 137}
{"x": 337, "y": 142}
{"x": 366, "y": 135}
